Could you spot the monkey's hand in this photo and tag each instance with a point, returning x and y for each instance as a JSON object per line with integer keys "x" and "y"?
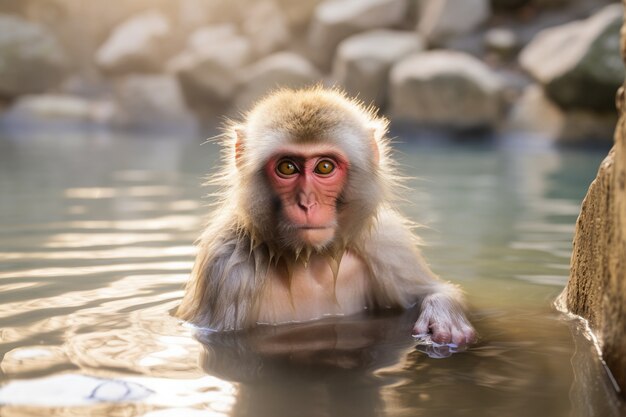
{"x": 442, "y": 316}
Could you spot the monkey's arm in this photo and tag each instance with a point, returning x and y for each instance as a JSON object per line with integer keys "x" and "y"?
{"x": 221, "y": 292}
{"x": 400, "y": 276}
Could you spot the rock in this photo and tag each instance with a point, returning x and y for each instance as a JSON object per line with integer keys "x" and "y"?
{"x": 440, "y": 20}
{"x": 266, "y": 27}
{"x": 536, "y": 114}
{"x": 335, "y": 20}
{"x": 140, "y": 44}
{"x": 151, "y": 101}
{"x": 56, "y": 110}
{"x": 31, "y": 59}
{"x": 578, "y": 63}
{"x": 298, "y": 13}
{"x": 363, "y": 62}
{"x": 596, "y": 289}
{"x": 208, "y": 69}
{"x": 283, "y": 69}
{"x": 445, "y": 89}
{"x": 502, "y": 42}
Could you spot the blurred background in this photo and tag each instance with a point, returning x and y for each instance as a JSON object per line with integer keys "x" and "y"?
{"x": 546, "y": 68}
{"x": 501, "y": 110}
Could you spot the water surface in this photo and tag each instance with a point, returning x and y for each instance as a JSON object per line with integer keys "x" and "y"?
{"x": 96, "y": 242}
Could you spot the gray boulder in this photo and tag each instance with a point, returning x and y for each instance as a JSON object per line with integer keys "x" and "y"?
{"x": 363, "y": 62}
{"x": 535, "y": 114}
{"x": 579, "y": 63}
{"x": 445, "y": 89}
{"x": 208, "y": 69}
{"x": 151, "y": 101}
{"x": 140, "y": 44}
{"x": 440, "y": 20}
{"x": 266, "y": 27}
{"x": 31, "y": 59}
{"x": 56, "y": 110}
{"x": 283, "y": 69}
{"x": 335, "y": 20}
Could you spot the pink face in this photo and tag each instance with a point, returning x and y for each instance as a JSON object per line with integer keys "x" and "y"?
{"x": 308, "y": 179}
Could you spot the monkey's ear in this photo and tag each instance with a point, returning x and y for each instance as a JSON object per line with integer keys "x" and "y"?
{"x": 240, "y": 138}
{"x": 376, "y": 133}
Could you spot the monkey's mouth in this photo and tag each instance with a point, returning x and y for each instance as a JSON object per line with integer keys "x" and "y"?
{"x": 313, "y": 227}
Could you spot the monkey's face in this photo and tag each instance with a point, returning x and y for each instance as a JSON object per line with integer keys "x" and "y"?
{"x": 307, "y": 181}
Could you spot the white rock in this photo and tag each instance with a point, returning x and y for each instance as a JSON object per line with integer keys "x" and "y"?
{"x": 31, "y": 59}
{"x": 363, "y": 62}
{"x": 579, "y": 63}
{"x": 502, "y": 41}
{"x": 283, "y": 69}
{"x": 445, "y": 89}
{"x": 151, "y": 101}
{"x": 443, "y": 19}
{"x": 57, "y": 109}
{"x": 140, "y": 44}
{"x": 266, "y": 27}
{"x": 335, "y": 20}
{"x": 209, "y": 67}
{"x": 535, "y": 114}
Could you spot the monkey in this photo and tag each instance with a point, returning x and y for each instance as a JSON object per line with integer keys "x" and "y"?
{"x": 304, "y": 225}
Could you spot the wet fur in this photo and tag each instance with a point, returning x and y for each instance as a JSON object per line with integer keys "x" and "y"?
{"x": 245, "y": 237}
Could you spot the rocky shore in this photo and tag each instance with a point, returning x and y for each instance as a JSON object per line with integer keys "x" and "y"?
{"x": 546, "y": 68}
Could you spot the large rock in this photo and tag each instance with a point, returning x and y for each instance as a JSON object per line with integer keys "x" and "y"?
{"x": 266, "y": 27}
{"x": 43, "y": 111}
{"x": 596, "y": 289}
{"x": 299, "y": 13}
{"x": 151, "y": 101}
{"x": 335, "y": 20}
{"x": 140, "y": 44}
{"x": 363, "y": 62}
{"x": 536, "y": 114}
{"x": 208, "y": 69}
{"x": 283, "y": 69}
{"x": 31, "y": 60}
{"x": 445, "y": 89}
{"x": 578, "y": 63}
{"x": 440, "y": 20}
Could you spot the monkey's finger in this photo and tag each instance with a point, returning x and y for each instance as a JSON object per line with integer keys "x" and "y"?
{"x": 441, "y": 333}
{"x": 421, "y": 327}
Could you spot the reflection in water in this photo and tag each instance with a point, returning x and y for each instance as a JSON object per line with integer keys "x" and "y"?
{"x": 96, "y": 242}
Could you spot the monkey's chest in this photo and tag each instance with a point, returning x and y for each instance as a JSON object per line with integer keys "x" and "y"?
{"x": 311, "y": 292}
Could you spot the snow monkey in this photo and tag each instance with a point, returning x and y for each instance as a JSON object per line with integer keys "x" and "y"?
{"x": 305, "y": 227}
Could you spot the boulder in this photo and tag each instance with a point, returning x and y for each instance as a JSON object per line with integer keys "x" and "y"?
{"x": 208, "y": 69}
{"x": 31, "y": 59}
{"x": 298, "y": 13}
{"x": 578, "y": 63}
{"x": 363, "y": 62}
{"x": 534, "y": 113}
{"x": 596, "y": 289}
{"x": 140, "y": 44}
{"x": 49, "y": 110}
{"x": 266, "y": 27}
{"x": 152, "y": 102}
{"x": 440, "y": 20}
{"x": 283, "y": 69}
{"x": 445, "y": 89}
{"x": 501, "y": 42}
{"x": 335, "y": 20}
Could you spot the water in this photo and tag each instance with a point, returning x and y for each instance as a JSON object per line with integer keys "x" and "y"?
{"x": 96, "y": 236}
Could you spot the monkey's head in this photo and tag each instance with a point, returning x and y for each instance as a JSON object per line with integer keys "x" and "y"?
{"x": 311, "y": 169}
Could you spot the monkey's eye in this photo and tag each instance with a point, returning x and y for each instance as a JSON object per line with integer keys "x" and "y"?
{"x": 324, "y": 167}
{"x": 286, "y": 168}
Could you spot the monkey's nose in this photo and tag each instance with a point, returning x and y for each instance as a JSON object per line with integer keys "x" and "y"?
{"x": 307, "y": 202}
{"x": 307, "y": 206}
